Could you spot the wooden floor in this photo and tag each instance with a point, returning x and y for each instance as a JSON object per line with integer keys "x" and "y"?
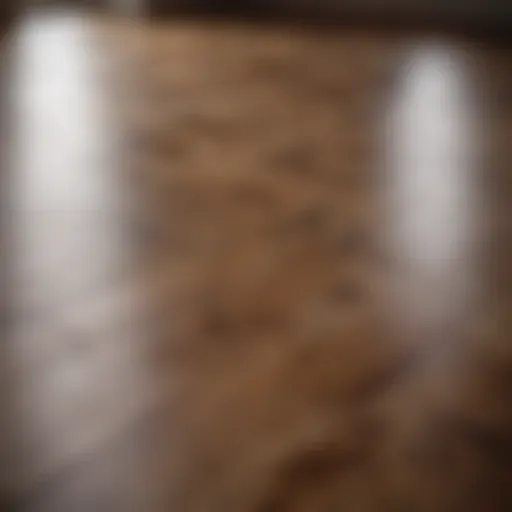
{"x": 254, "y": 268}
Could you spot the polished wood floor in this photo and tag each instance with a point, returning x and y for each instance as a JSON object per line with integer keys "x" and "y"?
{"x": 254, "y": 268}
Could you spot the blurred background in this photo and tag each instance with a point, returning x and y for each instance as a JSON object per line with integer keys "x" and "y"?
{"x": 455, "y": 10}
{"x": 255, "y": 256}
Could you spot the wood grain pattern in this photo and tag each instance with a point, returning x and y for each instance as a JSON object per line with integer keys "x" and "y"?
{"x": 243, "y": 271}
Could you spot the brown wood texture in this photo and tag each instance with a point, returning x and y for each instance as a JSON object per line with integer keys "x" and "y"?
{"x": 254, "y": 268}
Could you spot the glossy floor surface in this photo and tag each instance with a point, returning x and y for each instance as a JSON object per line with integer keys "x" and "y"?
{"x": 254, "y": 269}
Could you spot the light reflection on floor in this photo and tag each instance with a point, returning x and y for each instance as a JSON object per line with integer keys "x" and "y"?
{"x": 432, "y": 157}
{"x": 67, "y": 221}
